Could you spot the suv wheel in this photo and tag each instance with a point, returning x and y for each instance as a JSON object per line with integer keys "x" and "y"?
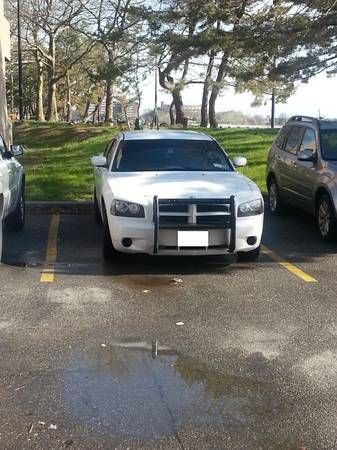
{"x": 274, "y": 201}
{"x": 326, "y": 219}
{"x": 16, "y": 220}
{"x": 251, "y": 256}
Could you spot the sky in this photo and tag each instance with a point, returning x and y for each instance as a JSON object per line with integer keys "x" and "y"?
{"x": 319, "y": 96}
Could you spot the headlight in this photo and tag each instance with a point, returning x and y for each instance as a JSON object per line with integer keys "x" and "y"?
{"x": 251, "y": 208}
{"x": 126, "y": 209}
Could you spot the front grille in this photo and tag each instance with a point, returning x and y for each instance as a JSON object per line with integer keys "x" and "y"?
{"x": 194, "y": 213}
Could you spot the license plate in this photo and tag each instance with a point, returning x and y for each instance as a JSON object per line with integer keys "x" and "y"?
{"x": 192, "y": 238}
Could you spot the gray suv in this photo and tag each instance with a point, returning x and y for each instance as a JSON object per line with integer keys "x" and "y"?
{"x": 302, "y": 171}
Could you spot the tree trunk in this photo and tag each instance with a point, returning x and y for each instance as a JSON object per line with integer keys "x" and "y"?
{"x": 86, "y": 111}
{"x": 167, "y": 82}
{"x": 52, "y": 115}
{"x": 205, "y": 92}
{"x": 222, "y": 68}
{"x": 109, "y": 102}
{"x": 139, "y": 98}
{"x": 39, "y": 115}
{"x": 171, "y": 111}
{"x": 68, "y": 100}
{"x": 92, "y": 115}
{"x": 178, "y": 105}
{"x": 215, "y": 91}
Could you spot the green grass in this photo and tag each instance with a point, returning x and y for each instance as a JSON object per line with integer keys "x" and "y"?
{"x": 57, "y": 156}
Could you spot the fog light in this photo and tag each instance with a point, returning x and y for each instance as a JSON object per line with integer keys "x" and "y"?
{"x": 251, "y": 240}
{"x": 126, "y": 242}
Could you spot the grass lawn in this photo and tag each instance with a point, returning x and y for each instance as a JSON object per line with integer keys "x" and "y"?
{"x": 57, "y": 156}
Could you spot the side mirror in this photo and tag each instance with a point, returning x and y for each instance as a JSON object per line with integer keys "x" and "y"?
{"x": 306, "y": 155}
{"x": 99, "y": 161}
{"x": 17, "y": 150}
{"x": 239, "y": 161}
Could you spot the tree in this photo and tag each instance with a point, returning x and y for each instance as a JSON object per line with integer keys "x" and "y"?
{"x": 177, "y": 37}
{"x": 270, "y": 64}
{"x": 116, "y": 26}
{"x": 49, "y": 25}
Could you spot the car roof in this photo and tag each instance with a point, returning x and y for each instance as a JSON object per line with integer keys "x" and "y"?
{"x": 323, "y": 124}
{"x": 167, "y": 134}
{"x": 328, "y": 124}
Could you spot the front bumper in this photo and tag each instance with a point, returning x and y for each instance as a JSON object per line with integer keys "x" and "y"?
{"x": 151, "y": 237}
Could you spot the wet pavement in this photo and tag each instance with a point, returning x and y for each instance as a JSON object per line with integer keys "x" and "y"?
{"x": 186, "y": 353}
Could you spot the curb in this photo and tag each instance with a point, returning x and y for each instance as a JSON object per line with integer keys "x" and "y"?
{"x": 73, "y": 208}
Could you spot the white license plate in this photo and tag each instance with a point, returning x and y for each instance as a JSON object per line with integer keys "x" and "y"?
{"x": 192, "y": 238}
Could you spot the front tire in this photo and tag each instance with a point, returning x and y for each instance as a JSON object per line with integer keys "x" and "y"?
{"x": 326, "y": 219}
{"x": 274, "y": 201}
{"x": 16, "y": 219}
{"x": 108, "y": 249}
{"x": 97, "y": 212}
{"x": 250, "y": 256}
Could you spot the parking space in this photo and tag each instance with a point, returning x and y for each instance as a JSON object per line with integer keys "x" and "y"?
{"x": 158, "y": 352}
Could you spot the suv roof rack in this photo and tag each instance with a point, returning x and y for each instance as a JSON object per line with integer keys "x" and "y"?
{"x": 303, "y": 119}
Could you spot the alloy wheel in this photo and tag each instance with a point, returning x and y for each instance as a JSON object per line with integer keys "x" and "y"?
{"x": 22, "y": 207}
{"x": 273, "y": 197}
{"x": 324, "y": 218}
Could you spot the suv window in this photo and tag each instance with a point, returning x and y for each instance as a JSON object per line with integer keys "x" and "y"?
{"x": 329, "y": 144}
{"x": 281, "y": 137}
{"x": 294, "y": 140}
{"x": 309, "y": 140}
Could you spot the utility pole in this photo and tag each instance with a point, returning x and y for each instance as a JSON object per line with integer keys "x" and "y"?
{"x": 272, "y": 116}
{"x": 156, "y": 97}
{"x": 20, "y": 64}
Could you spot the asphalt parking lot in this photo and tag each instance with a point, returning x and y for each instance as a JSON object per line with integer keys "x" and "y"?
{"x": 167, "y": 352}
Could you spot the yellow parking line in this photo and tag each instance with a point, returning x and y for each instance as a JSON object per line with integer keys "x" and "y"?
{"x": 47, "y": 275}
{"x": 288, "y": 266}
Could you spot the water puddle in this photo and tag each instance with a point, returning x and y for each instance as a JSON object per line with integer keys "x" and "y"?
{"x": 145, "y": 390}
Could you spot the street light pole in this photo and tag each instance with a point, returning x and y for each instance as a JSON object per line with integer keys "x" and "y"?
{"x": 20, "y": 64}
{"x": 272, "y": 118}
{"x": 156, "y": 97}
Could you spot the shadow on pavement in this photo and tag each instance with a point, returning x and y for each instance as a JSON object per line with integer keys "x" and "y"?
{"x": 79, "y": 245}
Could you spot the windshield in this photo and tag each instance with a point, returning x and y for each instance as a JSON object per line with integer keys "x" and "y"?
{"x": 329, "y": 144}
{"x": 170, "y": 155}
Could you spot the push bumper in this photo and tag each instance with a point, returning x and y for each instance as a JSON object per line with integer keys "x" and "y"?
{"x": 154, "y": 237}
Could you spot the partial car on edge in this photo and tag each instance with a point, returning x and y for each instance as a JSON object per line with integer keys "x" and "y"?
{"x": 302, "y": 171}
{"x": 12, "y": 186}
{"x": 175, "y": 193}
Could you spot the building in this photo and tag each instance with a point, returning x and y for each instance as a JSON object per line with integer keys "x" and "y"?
{"x": 192, "y": 111}
{"x": 131, "y": 110}
{"x": 164, "y": 107}
{"x": 5, "y": 125}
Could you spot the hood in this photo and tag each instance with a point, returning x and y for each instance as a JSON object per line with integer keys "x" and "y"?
{"x": 182, "y": 185}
